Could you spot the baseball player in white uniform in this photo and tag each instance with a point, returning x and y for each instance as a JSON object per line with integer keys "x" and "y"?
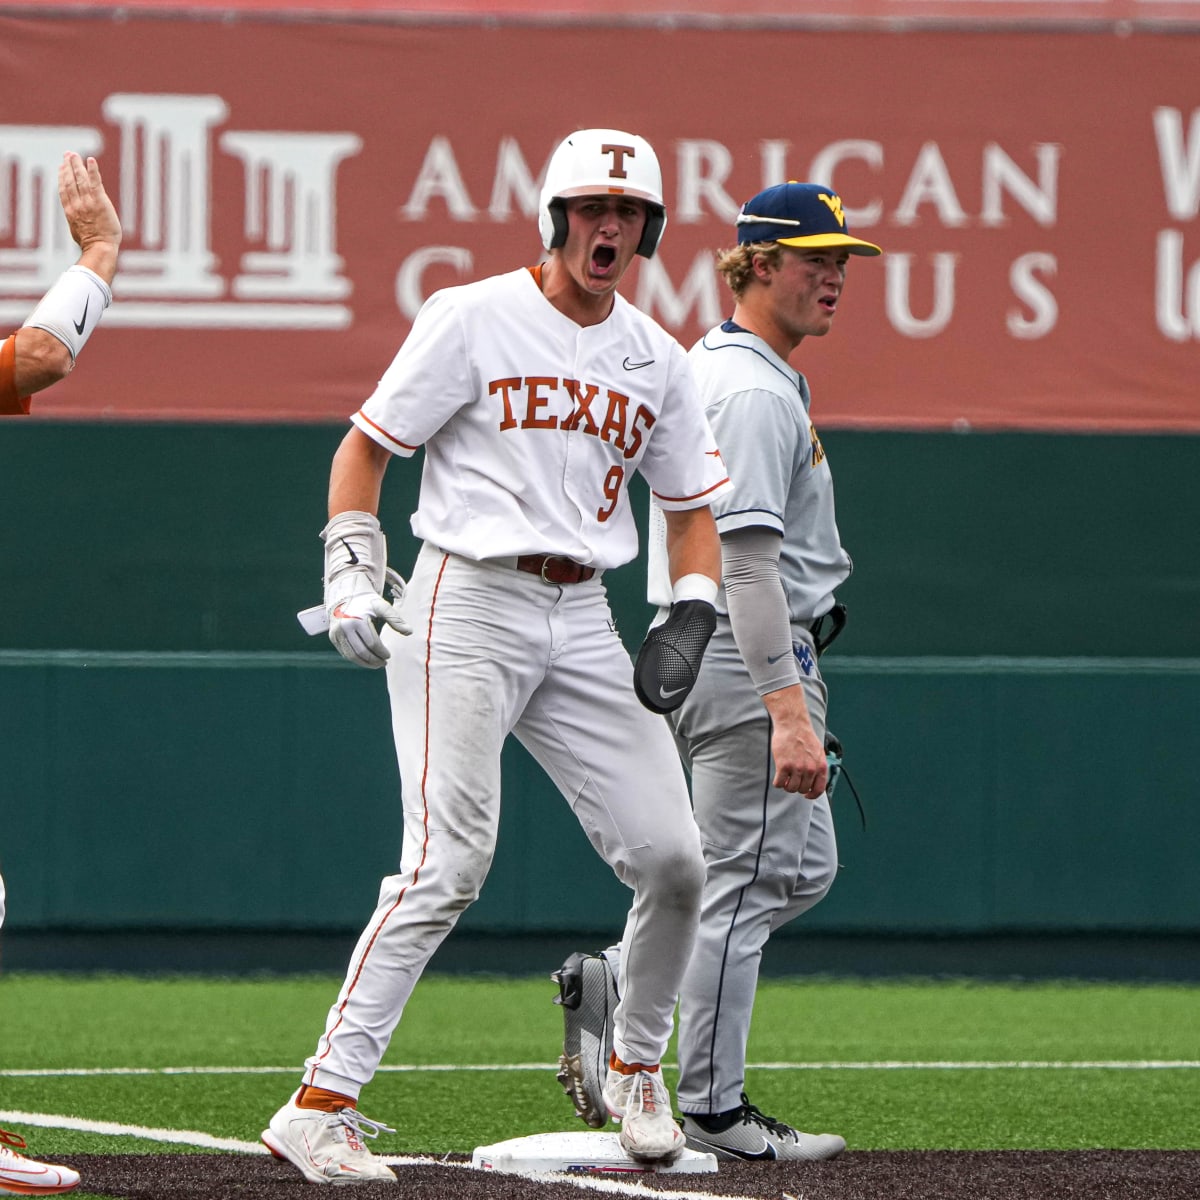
{"x": 752, "y": 730}
{"x": 535, "y": 394}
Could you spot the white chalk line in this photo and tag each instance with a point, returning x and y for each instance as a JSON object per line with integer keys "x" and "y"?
{"x": 177, "y": 1137}
{"x": 206, "y": 1141}
{"x": 202, "y": 1140}
{"x": 1147, "y": 1064}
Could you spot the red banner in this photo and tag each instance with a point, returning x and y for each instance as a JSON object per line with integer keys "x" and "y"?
{"x": 1118, "y": 15}
{"x": 292, "y": 190}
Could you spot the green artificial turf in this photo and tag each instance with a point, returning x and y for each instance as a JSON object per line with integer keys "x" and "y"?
{"x": 859, "y": 1035}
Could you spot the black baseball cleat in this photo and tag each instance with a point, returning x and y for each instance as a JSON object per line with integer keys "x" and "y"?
{"x": 587, "y": 991}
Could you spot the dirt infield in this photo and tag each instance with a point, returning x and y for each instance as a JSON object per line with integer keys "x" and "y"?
{"x": 857, "y": 1175}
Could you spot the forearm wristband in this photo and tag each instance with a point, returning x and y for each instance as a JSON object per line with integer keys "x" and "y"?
{"x": 694, "y": 587}
{"x": 72, "y": 308}
{"x": 354, "y": 542}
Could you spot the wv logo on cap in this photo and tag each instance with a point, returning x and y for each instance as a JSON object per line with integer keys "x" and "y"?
{"x": 834, "y": 204}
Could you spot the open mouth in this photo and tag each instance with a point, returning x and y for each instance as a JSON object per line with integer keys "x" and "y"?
{"x": 603, "y": 258}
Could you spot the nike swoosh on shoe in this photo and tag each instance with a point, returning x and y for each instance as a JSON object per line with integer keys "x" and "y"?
{"x": 767, "y": 1154}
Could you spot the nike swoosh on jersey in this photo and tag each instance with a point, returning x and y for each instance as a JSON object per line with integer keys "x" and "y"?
{"x": 83, "y": 320}
{"x": 636, "y": 366}
{"x": 772, "y": 659}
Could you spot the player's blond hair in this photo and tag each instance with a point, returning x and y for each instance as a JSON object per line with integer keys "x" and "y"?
{"x": 737, "y": 265}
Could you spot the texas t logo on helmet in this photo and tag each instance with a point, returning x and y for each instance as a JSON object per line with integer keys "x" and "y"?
{"x": 618, "y": 158}
{"x": 809, "y": 215}
{"x": 602, "y": 162}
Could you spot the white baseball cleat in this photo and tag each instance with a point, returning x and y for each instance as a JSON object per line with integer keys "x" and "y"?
{"x": 327, "y": 1147}
{"x": 641, "y": 1103}
{"x": 749, "y": 1135}
{"x": 21, "y": 1176}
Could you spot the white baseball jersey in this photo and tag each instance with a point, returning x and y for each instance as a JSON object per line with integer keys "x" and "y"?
{"x": 758, "y": 407}
{"x": 522, "y": 459}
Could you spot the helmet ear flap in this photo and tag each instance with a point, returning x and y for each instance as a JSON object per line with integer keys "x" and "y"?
{"x": 552, "y": 221}
{"x": 552, "y": 224}
{"x": 656, "y": 223}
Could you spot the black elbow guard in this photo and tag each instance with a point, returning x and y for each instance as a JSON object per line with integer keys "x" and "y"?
{"x": 669, "y": 660}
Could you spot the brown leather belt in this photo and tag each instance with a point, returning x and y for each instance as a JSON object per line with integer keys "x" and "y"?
{"x": 553, "y": 568}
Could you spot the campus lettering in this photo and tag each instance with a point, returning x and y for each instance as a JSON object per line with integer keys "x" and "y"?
{"x": 703, "y": 168}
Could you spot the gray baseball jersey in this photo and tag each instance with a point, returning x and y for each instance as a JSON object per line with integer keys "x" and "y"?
{"x": 758, "y": 408}
{"x": 770, "y": 855}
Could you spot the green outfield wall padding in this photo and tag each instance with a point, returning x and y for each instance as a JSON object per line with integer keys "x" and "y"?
{"x": 204, "y": 537}
{"x": 1017, "y": 690}
{"x": 260, "y": 791}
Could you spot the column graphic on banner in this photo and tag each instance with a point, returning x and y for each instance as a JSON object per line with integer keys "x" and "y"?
{"x": 290, "y": 272}
{"x": 165, "y": 203}
{"x": 300, "y": 261}
{"x": 29, "y": 209}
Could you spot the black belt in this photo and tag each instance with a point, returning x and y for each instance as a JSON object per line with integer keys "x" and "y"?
{"x": 836, "y": 618}
{"x": 553, "y": 568}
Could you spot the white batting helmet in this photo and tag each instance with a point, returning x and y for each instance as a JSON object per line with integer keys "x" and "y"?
{"x": 600, "y": 162}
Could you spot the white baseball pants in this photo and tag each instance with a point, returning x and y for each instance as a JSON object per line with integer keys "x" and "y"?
{"x": 496, "y": 651}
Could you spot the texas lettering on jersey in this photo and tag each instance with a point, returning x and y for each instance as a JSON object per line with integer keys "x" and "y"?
{"x": 530, "y": 403}
{"x": 531, "y": 425}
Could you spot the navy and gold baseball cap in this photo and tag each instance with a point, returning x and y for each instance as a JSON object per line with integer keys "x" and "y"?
{"x": 799, "y": 214}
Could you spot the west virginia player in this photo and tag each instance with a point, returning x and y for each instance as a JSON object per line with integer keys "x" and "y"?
{"x": 752, "y": 732}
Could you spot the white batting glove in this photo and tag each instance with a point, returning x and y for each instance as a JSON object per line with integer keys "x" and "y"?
{"x": 355, "y": 570}
{"x": 354, "y": 606}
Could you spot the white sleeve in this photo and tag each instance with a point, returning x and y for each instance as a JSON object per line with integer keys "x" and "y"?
{"x": 758, "y": 610}
{"x": 426, "y": 383}
{"x": 72, "y": 308}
